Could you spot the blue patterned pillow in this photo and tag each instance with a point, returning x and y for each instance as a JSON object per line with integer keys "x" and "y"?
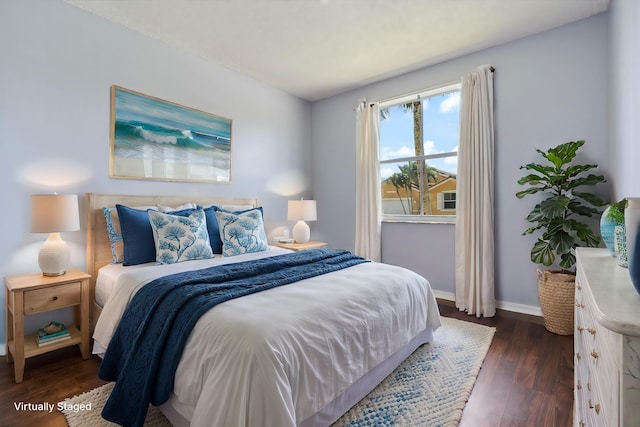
{"x": 115, "y": 235}
{"x": 116, "y": 240}
{"x": 242, "y": 233}
{"x": 180, "y": 238}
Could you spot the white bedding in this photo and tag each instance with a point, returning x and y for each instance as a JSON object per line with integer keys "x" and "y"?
{"x": 276, "y": 358}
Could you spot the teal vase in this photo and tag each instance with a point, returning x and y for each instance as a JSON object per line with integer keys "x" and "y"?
{"x": 608, "y": 222}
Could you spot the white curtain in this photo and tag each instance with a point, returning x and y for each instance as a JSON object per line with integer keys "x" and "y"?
{"x": 368, "y": 203}
{"x": 474, "y": 205}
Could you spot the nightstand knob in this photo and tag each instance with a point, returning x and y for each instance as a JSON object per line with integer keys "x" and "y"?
{"x": 55, "y": 298}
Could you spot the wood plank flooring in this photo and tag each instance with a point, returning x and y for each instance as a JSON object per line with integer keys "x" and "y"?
{"x": 526, "y": 378}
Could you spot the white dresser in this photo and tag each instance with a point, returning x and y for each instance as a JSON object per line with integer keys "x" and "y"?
{"x": 606, "y": 343}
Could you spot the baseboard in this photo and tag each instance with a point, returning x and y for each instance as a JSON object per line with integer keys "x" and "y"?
{"x": 502, "y": 305}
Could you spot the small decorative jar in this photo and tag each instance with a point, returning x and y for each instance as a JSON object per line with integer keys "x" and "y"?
{"x": 620, "y": 245}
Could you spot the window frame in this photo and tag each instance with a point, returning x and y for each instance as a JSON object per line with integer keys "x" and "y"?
{"x": 405, "y": 99}
{"x": 441, "y": 206}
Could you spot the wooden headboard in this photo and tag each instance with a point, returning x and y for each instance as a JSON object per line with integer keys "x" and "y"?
{"x": 98, "y": 247}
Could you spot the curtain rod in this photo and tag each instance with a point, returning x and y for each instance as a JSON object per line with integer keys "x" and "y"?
{"x": 364, "y": 100}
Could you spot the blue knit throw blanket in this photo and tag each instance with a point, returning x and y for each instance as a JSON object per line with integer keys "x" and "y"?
{"x": 144, "y": 352}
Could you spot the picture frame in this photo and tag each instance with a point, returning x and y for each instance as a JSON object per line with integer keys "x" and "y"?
{"x": 154, "y": 139}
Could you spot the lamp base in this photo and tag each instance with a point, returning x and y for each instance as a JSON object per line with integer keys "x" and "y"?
{"x": 53, "y": 257}
{"x": 301, "y": 232}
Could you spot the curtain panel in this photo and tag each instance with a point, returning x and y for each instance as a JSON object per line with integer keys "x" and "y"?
{"x": 474, "y": 233}
{"x": 368, "y": 199}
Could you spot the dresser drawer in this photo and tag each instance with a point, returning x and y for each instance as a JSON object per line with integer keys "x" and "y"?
{"x": 52, "y": 297}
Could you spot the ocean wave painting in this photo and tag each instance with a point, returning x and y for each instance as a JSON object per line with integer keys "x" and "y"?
{"x": 156, "y": 139}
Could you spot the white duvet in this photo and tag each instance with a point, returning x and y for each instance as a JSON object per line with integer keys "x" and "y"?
{"x": 275, "y": 358}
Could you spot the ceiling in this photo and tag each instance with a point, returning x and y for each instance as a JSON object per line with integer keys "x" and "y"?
{"x": 317, "y": 48}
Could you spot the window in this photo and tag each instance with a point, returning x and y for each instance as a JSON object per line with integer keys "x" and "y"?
{"x": 447, "y": 201}
{"x": 418, "y": 155}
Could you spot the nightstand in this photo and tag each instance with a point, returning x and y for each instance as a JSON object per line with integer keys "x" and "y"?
{"x": 301, "y": 246}
{"x": 34, "y": 293}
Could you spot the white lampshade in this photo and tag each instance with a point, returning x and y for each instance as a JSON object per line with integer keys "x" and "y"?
{"x": 53, "y": 213}
{"x": 301, "y": 211}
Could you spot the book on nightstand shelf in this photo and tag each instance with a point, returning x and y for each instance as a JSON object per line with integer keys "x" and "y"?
{"x": 52, "y": 333}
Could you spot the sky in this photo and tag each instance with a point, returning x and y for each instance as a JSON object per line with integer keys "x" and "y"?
{"x": 441, "y": 129}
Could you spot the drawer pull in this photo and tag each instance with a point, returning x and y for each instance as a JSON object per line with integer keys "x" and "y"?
{"x": 55, "y": 298}
{"x": 594, "y": 354}
{"x": 592, "y": 331}
{"x": 597, "y": 408}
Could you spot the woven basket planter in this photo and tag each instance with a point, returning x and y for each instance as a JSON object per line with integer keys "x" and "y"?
{"x": 556, "y": 290}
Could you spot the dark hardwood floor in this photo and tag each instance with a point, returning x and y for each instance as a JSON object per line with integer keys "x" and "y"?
{"x": 526, "y": 378}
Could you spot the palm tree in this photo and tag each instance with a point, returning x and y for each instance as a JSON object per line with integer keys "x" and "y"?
{"x": 423, "y": 182}
{"x": 398, "y": 180}
{"x": 418, "y": 144}
{"x": 409, "y": 179}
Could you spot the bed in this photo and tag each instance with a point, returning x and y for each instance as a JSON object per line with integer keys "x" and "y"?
{"x": 296, "y": 355}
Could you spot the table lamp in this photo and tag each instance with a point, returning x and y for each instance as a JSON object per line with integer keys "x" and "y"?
{"x": 301, "y": 211}
{"x": 53, "y": 213}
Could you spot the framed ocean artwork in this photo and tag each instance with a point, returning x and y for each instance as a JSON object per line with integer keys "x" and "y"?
{"x": 160, "y": 140}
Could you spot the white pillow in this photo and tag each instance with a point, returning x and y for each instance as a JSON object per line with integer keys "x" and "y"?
{"x": 163, "y": 208}
{"x": 180, "y": 238}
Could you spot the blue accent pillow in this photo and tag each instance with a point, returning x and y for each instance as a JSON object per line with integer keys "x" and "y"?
{"x": 242, "y": 232}
{"x": 180, "y": 238}
{"x": 139, "y": 246}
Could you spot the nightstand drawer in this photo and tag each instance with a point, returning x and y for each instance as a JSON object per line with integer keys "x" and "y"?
{"x": 51, "y": 297}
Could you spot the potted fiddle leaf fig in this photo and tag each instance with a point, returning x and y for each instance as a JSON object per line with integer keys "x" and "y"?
{"x": 558, "y": 221}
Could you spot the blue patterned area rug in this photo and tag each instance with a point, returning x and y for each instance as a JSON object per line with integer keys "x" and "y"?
{"x": 430, "y": 388}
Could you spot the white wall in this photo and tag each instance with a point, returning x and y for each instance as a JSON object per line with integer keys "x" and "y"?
{"x": 625, "y": 97}
{"x": 549, "y": 88}
{"x": 57, "y": 64}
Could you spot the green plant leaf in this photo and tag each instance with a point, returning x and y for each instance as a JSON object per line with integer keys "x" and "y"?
{"x": 544, "y": 170}
{"x": 585, "y": 180}
{"x": 554, "y": 207}
{"x": 583, "y": 210}
{"x": 563, "y": 153}
{"x": 561, "y": 242}
{"x": 584, "y": 233}
{"x": 590, "y": 198}
{"x": 567, "y": 260}
{"x": 532, "y": 190}
{"x": 542, "y": 253}
{"x": 572, "y": 171}
{"x": 531, "y": 179}
{"x": 536, "y": 215}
